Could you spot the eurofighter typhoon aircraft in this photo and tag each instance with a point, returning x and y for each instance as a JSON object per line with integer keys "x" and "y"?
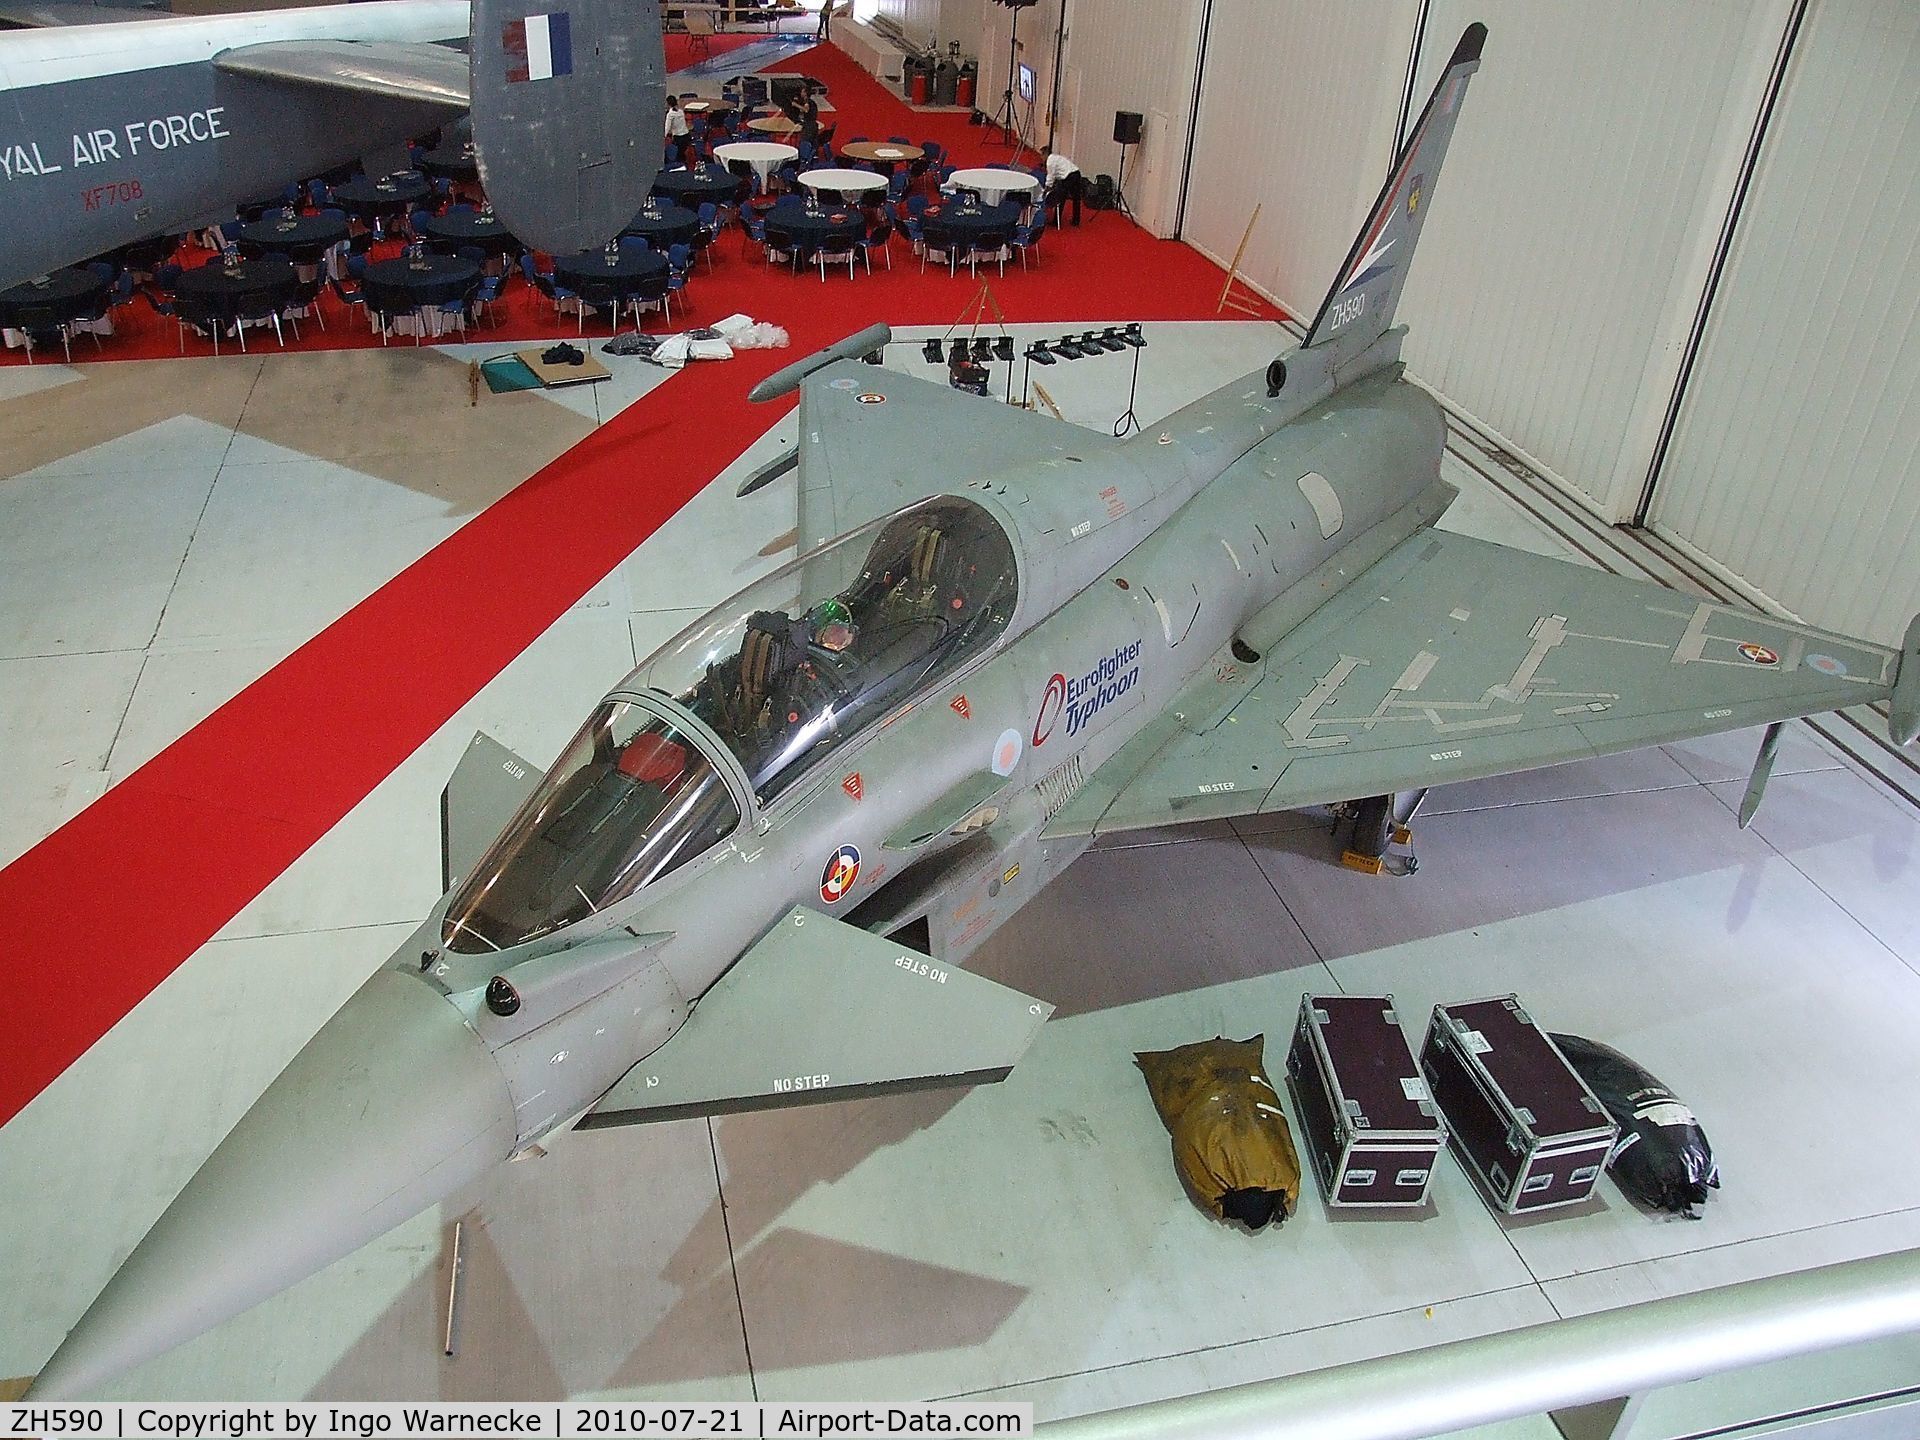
{"x": 116, "y": 131}
{"x": 749, "y": 879}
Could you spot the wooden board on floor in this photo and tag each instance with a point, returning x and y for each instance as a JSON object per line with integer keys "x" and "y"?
{"x": 554, "y": 376}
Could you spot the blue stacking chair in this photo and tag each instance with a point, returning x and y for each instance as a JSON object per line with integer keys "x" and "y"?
{"x": 679, "y": 262}
{"x": 1027, "y": 237}
{"x": 709, "y": 216}
{"x": 878, "y": 239}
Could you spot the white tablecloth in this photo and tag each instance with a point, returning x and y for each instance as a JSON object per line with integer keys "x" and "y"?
{"x": 844, "y": 182}
{"x": 765, "y": 156}
{"x": 994, "y": 185}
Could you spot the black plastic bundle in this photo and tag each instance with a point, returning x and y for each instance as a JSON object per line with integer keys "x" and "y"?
{"x": 1662, "y": 1158}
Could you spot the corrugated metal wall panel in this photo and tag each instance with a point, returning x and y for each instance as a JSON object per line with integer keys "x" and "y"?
{"x": 1794, "y": 462}
{"x": 1563, "y": 261}
{"x": 1297, "y": 112}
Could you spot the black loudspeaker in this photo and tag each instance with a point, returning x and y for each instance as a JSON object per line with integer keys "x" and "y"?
{"x": 1128, "y": 126}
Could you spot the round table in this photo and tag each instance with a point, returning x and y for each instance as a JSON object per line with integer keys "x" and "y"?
{"x": 872, "y": 152}
{"x": 452, "y": 162}
{"x": 956, "y": 225}
{"x": 459, "y": 228}
{"x": 808, "y": 229}
{"x": 66, "y": 295}
{"x": 773, "y": 125}
{"x": 706, "y": 107}
{"x": 668, "y": 225}
{"x": 214, "y": 295}
{"x": 627, "y": 272}
{"x": 303, "y": 239}
{"x": 222, "y": 289}
{"x": 852, "y": 184}
{"x": 765, "y": 156}
{"x": 369, "y": 198}
{"x": 630, "y": 275}
{"x": 695, "y": 187}
{"x": 416, "y": 284}
{"x": 993, "y": 184}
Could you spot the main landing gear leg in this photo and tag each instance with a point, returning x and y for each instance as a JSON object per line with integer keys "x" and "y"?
{"x": 1379, "y": 822}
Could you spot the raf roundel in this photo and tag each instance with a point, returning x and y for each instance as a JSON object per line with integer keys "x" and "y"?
{"x": 1006, "y": 752}
{"x": 842, "y": 870}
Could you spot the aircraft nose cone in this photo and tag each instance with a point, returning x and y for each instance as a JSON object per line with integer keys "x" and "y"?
{"x": 391, "y": 1107}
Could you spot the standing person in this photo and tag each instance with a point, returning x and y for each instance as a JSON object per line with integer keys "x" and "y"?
{"x": 804, "y": 111}
{"x": 1064, "y": 183}
{"x": 825, "y": 32}
{"x": 677, "y": 128}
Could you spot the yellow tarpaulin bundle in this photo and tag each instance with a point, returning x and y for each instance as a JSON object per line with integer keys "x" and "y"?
{"x": 1230, "y": 1136}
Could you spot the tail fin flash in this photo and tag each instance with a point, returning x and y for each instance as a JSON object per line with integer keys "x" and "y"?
{"x": 1359, "y": 308}
{"x": 568, "y": 98}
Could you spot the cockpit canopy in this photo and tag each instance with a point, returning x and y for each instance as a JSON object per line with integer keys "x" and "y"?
{"x": 799, "y": 662}
{"x": 784, "y": 673}
{"x": 629, "y": 799}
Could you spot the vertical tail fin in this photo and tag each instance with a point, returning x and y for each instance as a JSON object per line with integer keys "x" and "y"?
{"x": 1359, "y": 308}
{"x": 568, "y": 98}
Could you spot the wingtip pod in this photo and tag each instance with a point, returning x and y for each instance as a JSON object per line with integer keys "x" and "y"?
{"x": 1904, "y": 722}
{"x": 869, "y": 341}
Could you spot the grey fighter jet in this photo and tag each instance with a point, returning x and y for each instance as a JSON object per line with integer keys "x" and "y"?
{"x": 114, "y": 132}
{"x": 751, "y": 878}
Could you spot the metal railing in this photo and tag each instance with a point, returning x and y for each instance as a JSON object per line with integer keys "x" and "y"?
{"x": 1547, "y": 1369}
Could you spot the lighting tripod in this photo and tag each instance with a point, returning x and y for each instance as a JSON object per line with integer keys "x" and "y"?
{"x": 1007, "y": 117}
{"x": 1120, "y": 184}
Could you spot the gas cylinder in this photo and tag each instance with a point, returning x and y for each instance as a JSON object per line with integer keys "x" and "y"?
{"x": 964, "y": 86}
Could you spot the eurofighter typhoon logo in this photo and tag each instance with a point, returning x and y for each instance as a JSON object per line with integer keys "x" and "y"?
{"x": 1083, "y": 698}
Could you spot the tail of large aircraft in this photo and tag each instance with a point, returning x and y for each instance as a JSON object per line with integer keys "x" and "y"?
{"x": 1359, "y": 308}
{"x": 569, "y": 100}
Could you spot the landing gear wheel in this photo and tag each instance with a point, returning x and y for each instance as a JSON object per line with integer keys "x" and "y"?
{"x": 1373, "y": 826}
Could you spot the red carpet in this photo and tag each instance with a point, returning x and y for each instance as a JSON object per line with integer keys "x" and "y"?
{"x": 105, "y": 908}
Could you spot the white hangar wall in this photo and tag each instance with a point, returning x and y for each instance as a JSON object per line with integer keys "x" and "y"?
{"x": 1793, "y": 467}
{"x": 1574, "y": 223}
{"x": 1574, "y": 236}
{"x": 1297, "y": 110}
{"x": 928, "y": 21}
{"x": 1117, "y": 55}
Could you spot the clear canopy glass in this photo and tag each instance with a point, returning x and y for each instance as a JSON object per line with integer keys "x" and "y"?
{"x": 801, "y": 661}
{"x": 629, "y": 799}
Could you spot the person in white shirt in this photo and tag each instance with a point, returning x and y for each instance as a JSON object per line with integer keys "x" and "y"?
{"x": 1064, "y": 183}
{"x": 677, "y": 127}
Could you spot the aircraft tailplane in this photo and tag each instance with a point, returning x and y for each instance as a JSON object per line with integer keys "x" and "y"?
{"x": 1359, "y": 308}
{"x": 569, "y": 110}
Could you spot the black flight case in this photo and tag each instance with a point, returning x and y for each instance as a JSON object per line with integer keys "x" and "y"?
{"x": 1369, "y": 1123}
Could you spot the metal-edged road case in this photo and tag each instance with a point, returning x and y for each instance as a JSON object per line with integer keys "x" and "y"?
{"x": 1521, "y": 1120}
{"x": 1369, "y": 1123}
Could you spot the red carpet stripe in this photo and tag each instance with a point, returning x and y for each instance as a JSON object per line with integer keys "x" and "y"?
{"x": 109, "y": 905}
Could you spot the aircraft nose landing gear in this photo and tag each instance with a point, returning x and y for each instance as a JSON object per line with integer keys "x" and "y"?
{"x": 1379, "y": 822}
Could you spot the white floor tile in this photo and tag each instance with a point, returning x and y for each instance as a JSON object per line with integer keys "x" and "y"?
{"x": 286, "y": 547}
{"x": 184, "y": 442}
{"x": 1858, "y": 845}
{"x": 87, "y": 561}
{"x": 58, "y": 716}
